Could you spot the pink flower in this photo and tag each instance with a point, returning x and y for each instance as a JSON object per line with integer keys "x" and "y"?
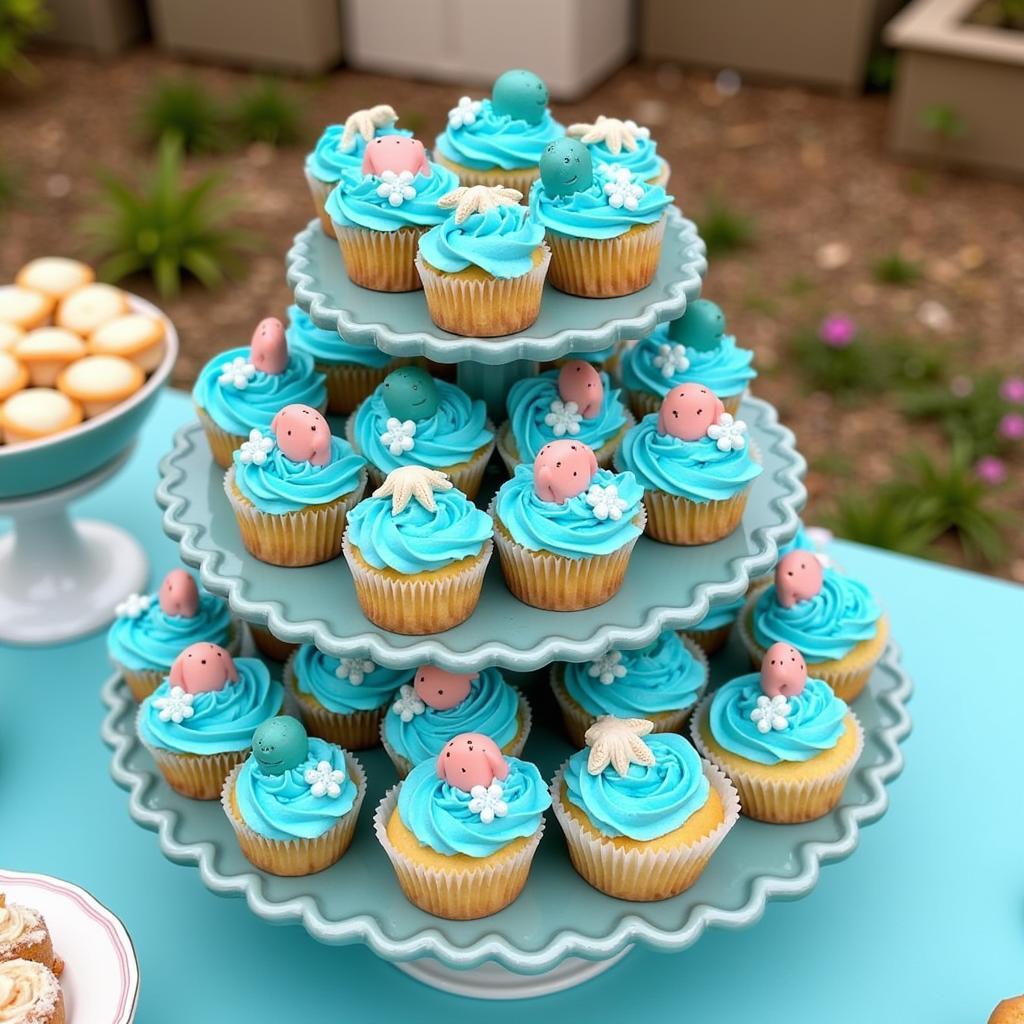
{"x": 1011, "y": 426}
{"x": 837, "y": 330}
{"x": 1012, "y": 389}
{"x": 990, "y": 470}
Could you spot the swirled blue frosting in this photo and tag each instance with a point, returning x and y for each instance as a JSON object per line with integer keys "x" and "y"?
{"x": 280, "y": 485}
{"x": 827, "y": 626}
{"x": 222, "y": 720}
{"x": 316, "y": 674}
{"x": 501, "y": 241}
{"x": 238, "y": 410}
{"x": 726, "y": 370}
{"x": 497, "y": 140}
{"x": 450, "y": 436}
{"x": 720, "y": 615}
{"x": 643, "y": 162}
{"x": 649, "y": 800}
{"x": 283, "y": 807}
{"x": 814, "y": 724}
{"x": 491, "y": 708}
{"x": 328, "y": 348}
{"x": 438, "y": 814}
{"x": 696, "y": 470}
{"x": 355, "y": 201}
{"x": 663, "y": 676}
{"x": 416, "y": 540}
{"x": 328, "y": 160}
{"x": 588, "y": 214}
{"x": 570, "y": 529}
{"x": 153, "y": 640}
{"x": 529, "y": 401}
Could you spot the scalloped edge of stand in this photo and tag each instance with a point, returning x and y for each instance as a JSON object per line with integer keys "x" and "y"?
{"x": 451, "y": 348}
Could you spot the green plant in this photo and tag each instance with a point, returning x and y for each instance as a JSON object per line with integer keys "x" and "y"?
{"x": 909, "y": 363}
{"x": 266, "y": 112}
{"x": 20, "y": 20}
{"x": 165, "y": 227}
{"x": 725, "y": 229}
{"x": 968, "y": 410}
{"x": 895, "y": 269}
{"x": 799, "y": 285}
{"x": 846, "y": 372}
{"x": 944, "y": 122}
{"x": 881, "y": 70}
{"x": 184, "y": 108}
{"x": 877, "y": 519}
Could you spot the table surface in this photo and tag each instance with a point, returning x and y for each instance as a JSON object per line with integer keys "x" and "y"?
{"x": 922, "y": 922}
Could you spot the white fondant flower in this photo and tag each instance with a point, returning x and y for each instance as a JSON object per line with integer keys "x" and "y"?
{"x": 237, "y": 373}
{"x": 771, "y": 713}
{"x": 564, "y": 418}
{"x": 323, "y": 780}
{"x": 616, "y": 172}
{"x": 464, "y": 113}
{"x": 671, "y": 359}
{"x": 133, "y": 606}
{"x": 256, "y": 449}
{"x": 408, "y": 705}
{"x": 486, "y": 801}
{"x": 607, "y": 668}
{"x": 623, "y": 193}
{"x": 355, "y": 670}
{"x": 605, "y": 502}
{"x": 728, "y": 433}
{"x": 176, "y": 706}
{"x": 398, "y": 435}
{"x": 396, "y": 188}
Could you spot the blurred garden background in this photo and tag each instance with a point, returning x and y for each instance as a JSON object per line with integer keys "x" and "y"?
{"x": 884, "y": 298}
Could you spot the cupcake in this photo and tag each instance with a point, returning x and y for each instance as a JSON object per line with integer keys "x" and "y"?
{"x": 418, "y": 550}
{"x": 692, "y": 349}
{"x": 291, "y": 490}
{"x": 604, "y": 229}
{"x": 29, "y": 993}
{"x": 830, "y": 618}
{"x": 199, "y": 722}
{"x": 46, "y": 351}
{"x": 695, "y": 465}
{"x": 483, "y": 267}
{"x": 25, "y": 308}
{"x": 565, "y": 528}
{"x": 25, "y": 936}
{"x": 413, "y": 420}
{"x": 461, "y": 830}
{"x": 98, "y": 383}
{"x": 576, "y": 401}
{"x": 438, "y": 705}
{"x": 499, "y": 141}
{"x": 622, "y": 145}
{"x": 137, "y": 337}
{"x": 787, "y": 742}
{"x": 380, "y": 212}
{"x": 244, "y": 388}
{"x": 343, "y": 700}
{"x": 712, "y": 632}
{"x": 642, "y": 814}
{"x": 340, "y": 148}
{"x": 151, "y": 630}
{"x": 351, "y": 371}
{"x": 88, "y": 308}
{"x": 36, "y": 413}
{"x": 269, "y": 645}
{"x": 661, "y": 682}
{"x": 55, "y": 276}
{"x": 294, "y": 801}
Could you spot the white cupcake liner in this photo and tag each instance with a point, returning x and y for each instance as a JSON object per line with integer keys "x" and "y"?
{"x": 319, "y": 191}
{"x": 520, "y": 178}
{"x": 508, "y": 450}
{"x": 710, "y": 641}
{"x": 349, "y": 383}
{"x": 383, "y": 261}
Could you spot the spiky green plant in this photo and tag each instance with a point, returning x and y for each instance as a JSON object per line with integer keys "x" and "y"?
{"x": 877, "y": 519}
{"x": 266, "y": 112}
{"x": 967, "y": 411}
{"x": 910, "y": 363}
{"x": 846, "y": 372}
{"x": 182, "y": 107}
{"x": 944, "y": 121}
{"x": 725, "y": 229}
{"x": 896, "y": 270}
{"x": 20, "y": 20}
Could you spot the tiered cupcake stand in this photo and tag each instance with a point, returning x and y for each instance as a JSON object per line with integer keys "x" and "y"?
{"x": 560, "y": 932}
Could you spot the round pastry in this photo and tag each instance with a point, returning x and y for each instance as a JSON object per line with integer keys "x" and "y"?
{"x": 418, "y": 550}
{"x": 244, "y": 388}
{"x": 89, "y": 307}
{"x": 622, "y": 145}
{"x": 24, "y": 308}
{"x": 437, "y": 705}
{"x": 24, "y": 936}
{"x": 151, "y": 630}
{"x": 1008, "y": 1011}
{"x": 661, "y": 682}
{"x": 340, "y": 148}
{"x": 294, "y": 801}
{"x": 10, "y": 335}
{"x": 695, "y": 465}
{"x": 641, "y": 816}
{"x": 46, "y": 351}
{"x": 565, "y": 529}
{"x": 483, "y": 268}
{"x": 37, "y": 412}
{"x": 343, "y": 700}
{"x": 55, "y": 276}
{"x": 692, "y": 349}
{"x": 605, "y": 231}
{"x": 413, "y": 420}
{"x": 712, "y": 632}
{"x": 499, "y": 141}
{"x": 351, "y": 371}
{"x": 13, "y": 375}
{"x": 292, "y": 490}
{"x": 787, "y": 742}
{"x": 380, "y": 212}
{"x": 461, "y": 830}
{"x": 830, "y": 618}
{"x": 575, "y": 401}
{"x": 29, "y": 994}
{"x": 99, "y": 383}
{"x": 134, "y": 336}
{"x": 199, "y": 722}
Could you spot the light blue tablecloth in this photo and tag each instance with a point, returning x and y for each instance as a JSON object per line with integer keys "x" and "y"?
{"x": 923, "y": 923}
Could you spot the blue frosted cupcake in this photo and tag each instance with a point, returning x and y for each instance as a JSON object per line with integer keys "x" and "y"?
{"x": 661, "y": 682}
{"x": 622, "y": 145}
{"x": 712, "y": 632}
{"x": 342, "y": 700}
{"x": 294, "y": 802}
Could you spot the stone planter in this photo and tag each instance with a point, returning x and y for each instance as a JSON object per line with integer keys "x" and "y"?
{"x": 105, "y": 27}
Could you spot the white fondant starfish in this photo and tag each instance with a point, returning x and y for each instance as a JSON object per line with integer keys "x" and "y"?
{"x": 616, "y": 741}
{"x": 611, "y": 131}
{"x": 470, "y": 199}
{"x": 417, "y": 482}
{"x": 365, "y": 124}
